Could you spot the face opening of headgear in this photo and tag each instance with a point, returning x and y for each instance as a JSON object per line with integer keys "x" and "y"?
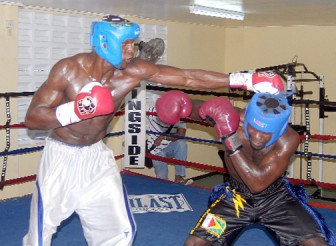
{"x": 268, "y": 113}
{"x": 108, "y": 35}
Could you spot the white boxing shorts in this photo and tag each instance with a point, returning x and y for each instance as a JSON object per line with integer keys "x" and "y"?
{"x": 85, "y": 180}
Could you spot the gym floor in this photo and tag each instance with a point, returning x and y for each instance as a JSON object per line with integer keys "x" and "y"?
{"x": 164, "y": 229}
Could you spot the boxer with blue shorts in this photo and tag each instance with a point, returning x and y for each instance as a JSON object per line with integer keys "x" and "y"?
{"x": 258, "y": 145}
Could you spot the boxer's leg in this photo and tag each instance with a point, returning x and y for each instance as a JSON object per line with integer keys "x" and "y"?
{"x": 51, "y": 200}
{"x": 104, "y": 208}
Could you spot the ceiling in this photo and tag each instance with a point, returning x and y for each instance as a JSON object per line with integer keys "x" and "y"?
{"x": 258, "y": 13}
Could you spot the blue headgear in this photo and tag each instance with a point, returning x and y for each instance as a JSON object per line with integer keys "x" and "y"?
{"x": 267, "y": 113}
{"x": 108, "y": 35}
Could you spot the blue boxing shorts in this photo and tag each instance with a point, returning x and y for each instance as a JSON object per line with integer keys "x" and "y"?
{"x": 275, "y": 208}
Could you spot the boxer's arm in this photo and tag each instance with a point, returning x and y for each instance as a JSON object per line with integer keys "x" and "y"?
{"x": 41, "y": 111}
{"x": 92, "y": 100}
{"x": 259, "y": 175}
{"x": 197, "y": 78}
{"x": 168, "y": 75}
{"x": 47, "y": 109}
{"x": 202, "y": 79}
{"x": 256, "y": 175}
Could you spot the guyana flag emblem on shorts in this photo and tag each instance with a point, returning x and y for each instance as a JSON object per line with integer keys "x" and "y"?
{"x": 214, "y": 225}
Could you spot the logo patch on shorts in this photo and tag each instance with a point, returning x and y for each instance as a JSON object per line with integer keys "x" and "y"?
{"x": 214, "y": 225}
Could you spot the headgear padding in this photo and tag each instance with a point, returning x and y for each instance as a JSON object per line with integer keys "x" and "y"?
{"x": 267, "y": 113}
{"x": 108, "y": 35}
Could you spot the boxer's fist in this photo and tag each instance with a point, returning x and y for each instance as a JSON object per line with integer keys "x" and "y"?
{"x": 93, "y": 100}
{"x": 220, "y": 111}
{"x": 226, "y": 119}
{"x": 173, "y": 106}
{"x": 266, "y": 81}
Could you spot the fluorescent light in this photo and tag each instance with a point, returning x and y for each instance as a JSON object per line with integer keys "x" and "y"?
{"x": 216, "y": 12}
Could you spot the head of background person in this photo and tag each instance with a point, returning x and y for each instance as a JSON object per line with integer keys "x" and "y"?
{"x": 266, "y": 119}
{"x": 113, "y": 39}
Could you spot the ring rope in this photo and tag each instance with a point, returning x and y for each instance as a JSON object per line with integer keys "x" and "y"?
{"x": 224, "y": 170}
{"x": 13, "y": 126}
{"x": 16, "y": 94}
{"x": 39, "y": 148}
{"x": 184, "y": 137}
{"x": 30, "y": 178}
{"x": 315, "y": 136}
{"x": 197, "y": 92}
{"x": 320, "y": 137}
{"x": 288, "y": 68}
{"x": 316, "y": 155}
{"x": 312, "y": 136}
{"x": 246, "y": 95}
{"x": 172, "y": 161}
{"x": 22, "y": 151}
{"x": 218, "y": 142}
{"x": 187, "y": 163}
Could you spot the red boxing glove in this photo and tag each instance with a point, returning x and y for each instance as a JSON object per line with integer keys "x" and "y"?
{"x": 173, "y": 106}
{"x": 98, "y": 101}
{"x": 93, "y": 100}
{"x": 266, "y": 81}
{"x": 220, "y": 111}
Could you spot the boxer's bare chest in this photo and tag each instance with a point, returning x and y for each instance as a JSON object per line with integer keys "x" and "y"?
{"x": 120, "y": 86}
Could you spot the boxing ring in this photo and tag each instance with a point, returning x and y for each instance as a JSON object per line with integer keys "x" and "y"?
{"x": 157, "y": 224}
{"x": 167, "y": 229}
